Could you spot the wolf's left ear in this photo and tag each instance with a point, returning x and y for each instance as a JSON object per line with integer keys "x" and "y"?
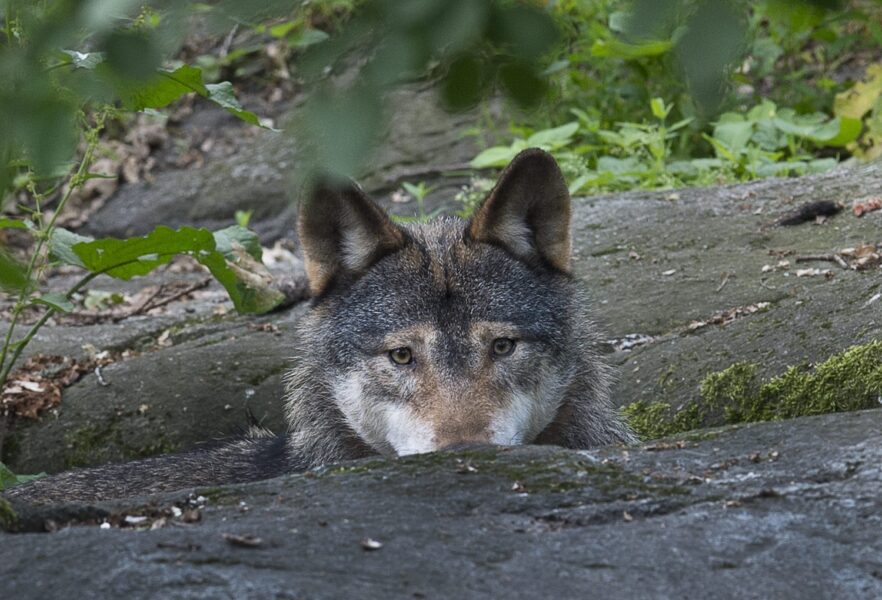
{"x": 343, "y": 232}
{"x": 528, "y": 212}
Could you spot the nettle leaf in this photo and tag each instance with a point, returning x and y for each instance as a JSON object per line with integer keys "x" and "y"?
{"x": 61, "y": 246}
{"x": 248, "y": 286}
{"x": 170, "y": 85}
{"x": 222, "y": 94}
{"x": 232, "y": 255}
{"x": 59, "y": 302}
{"x": 132, "y": 257}
{"x": 225, "y": 238}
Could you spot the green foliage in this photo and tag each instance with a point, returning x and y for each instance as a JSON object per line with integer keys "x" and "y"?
{"x": 49, "y": 76}
{"x": 847, "y": 381}
{"x": 222, "y": 252}
{"x": 862, "y": 107}
{"x": 419, "y": 192}
{"x": 9, "y": 479}
{"x": 473, "y": 47}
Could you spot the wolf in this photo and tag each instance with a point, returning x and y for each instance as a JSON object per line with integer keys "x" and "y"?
{"x": 419, "y": 337}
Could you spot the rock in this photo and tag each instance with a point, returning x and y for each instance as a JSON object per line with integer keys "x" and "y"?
{"x": 759, "y": 511}
{"x": 700, "y": 236}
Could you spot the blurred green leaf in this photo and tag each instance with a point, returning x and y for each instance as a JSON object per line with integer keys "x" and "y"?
{"x": 557, "y": 136}
{"x": 59, "y": 302}
{"x": 465, "y": 82}
{"x": 713, "y": 42}
{"x": 9, "y": 479}
{"x": 131, "y": 55}
{"x": 7, "y": 223}
{"x": 523, "y": 83}
{"x": 61, "y": 245}
{"x": 614, "y": 48}
{"x": 12, "y": 275}
{"x": 84, "y": 60}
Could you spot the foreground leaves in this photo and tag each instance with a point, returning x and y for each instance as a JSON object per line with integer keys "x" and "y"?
{"x": 232, "y": 255}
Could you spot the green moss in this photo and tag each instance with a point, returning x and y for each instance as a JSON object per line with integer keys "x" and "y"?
{"x": 8, "y": 518}
{"x": 89, "y": 443}
{"x": 850, "y": 380}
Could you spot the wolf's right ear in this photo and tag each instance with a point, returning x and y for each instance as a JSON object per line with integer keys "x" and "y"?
{"x": 343, "y": 232}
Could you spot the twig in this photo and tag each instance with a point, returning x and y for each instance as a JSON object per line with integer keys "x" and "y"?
{"x": 189, "y": 289}
{"x": 823, "y": 257}
{"x": 724, "y": 282}
{"x": 228, "y": 41}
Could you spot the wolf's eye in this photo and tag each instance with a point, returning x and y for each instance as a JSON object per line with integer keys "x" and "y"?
{"x": 503, "y": 346}
{"x": 401, "y": 356}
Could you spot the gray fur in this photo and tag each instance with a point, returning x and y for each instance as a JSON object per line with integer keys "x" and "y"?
{"x": 445, "y": 275}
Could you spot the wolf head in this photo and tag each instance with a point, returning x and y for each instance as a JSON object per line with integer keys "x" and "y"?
{"x": 433, "y": 335}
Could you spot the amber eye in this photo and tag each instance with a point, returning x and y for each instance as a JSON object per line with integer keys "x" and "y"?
{"x": 503, "y": 346}
{"x": 401, "y": 356}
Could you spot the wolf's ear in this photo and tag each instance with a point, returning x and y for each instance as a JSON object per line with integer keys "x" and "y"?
{"x": 343, "y": 232}
{"x": 528, "y": 212}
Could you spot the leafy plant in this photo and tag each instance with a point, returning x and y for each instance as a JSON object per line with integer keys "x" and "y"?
{"x": 73, "y": 93}
{"x": 9, "y": 479}
{"x": 419, "y": 192}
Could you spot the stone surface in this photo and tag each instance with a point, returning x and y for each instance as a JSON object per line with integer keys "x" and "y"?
{"x": 700, "y": 234}
{"x": 761, "y": 511}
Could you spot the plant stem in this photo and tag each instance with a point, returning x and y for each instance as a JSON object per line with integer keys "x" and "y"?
{"x": 20, "y": 345}
{"x": 44, "y": 232}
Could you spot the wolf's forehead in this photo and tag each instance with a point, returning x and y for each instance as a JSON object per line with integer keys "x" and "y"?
{"x": 442, "y": 280}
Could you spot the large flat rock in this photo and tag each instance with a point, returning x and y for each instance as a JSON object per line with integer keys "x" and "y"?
{"x": 760, "y": 511}
{"x": 688, "y": 242}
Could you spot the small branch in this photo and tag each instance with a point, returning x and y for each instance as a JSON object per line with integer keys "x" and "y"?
{"x": 823, "y": 257}
{"x": 149, "y": 305}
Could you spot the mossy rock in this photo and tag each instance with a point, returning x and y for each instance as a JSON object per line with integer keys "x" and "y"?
{"x": 847, "y": 381}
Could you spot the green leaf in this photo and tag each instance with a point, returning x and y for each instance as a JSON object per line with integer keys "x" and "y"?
{"x": 659, "y": 110}
{"x": 59, "y": 302}
{"x": 9, "y": 479}
{"x": 307, "y": 38}
{"x": 163, "y": 89}
{"x": 132, "y": 257}
{"x": 733, "y": 134}
{"x": 7, "y": 223}
{"x": 224, "y": 240}
{"x": 249, "y": 292}
{"x": 497, "y": 156}
{"x": 168, "y": 86}
{"x": 614, "y": 48}
{"x": 232, "y": 255}
{"x": 13, "y": 276}
{"x": 558, "y": 136}
{"x": 84, "y": 60}
{"x": 849, "y": 131}
{"x": 61, "y": 246}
